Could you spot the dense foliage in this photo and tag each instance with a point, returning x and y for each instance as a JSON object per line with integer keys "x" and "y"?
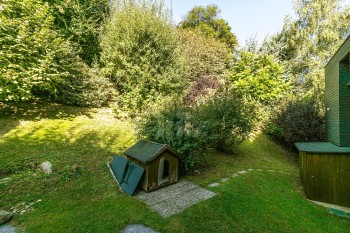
{"x": 140, "y": 55}
{"x": 207, "y": 21}
{"x": 34, "y": 58}
{"x": 259, "y": 77}
{"x": 299, "y": 120}
{"x": 88, "y": 90}
{"x": 81, "y": 22}
{"x": 204, "y": 56}
{"x": 221, "y": 123}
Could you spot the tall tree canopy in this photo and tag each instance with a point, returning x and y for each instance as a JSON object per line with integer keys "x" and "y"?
{"x": 81, "y": 21}
{"x": 207, "y": 20}
{"x": 307, "y": 43}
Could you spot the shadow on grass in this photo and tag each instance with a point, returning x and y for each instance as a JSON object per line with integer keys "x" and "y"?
{"x": 11, "y": 115}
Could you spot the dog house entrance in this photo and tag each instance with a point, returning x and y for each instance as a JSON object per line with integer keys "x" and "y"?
{"x": 163, "y": 171}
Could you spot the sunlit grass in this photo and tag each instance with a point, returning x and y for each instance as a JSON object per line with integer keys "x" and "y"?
{"x": 81, "y": 196}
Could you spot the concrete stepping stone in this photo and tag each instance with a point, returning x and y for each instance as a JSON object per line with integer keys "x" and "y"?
{"x": 213, "y": 185}
{"x": 137, "y": 228}
{"x": 175, "y": 198}
{"x": 224, "y": 179}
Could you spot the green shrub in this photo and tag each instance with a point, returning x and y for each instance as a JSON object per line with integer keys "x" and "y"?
{"x": 140, "y": 55}
{"x": 34, "y": 58}
{"x": 174, "y": 125}
{"x": 221, "y": 123}
{"x": 88, "y": 90}
{"x": 300, "y": 120}
{"x": 226, "y": 120}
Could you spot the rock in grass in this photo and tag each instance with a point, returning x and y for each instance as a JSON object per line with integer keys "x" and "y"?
{"x": 5, "y": 216}
{"x": 9, "y": 229}
{"x": 46, "y": 167}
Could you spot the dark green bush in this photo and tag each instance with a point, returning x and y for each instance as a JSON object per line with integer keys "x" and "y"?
{"x": 225, "y": 120}
{"x": 219, "y": 123}
{"x": 88, "y": 90}
{"x": 299, "y": 120}
{"x": 174, "y": 125}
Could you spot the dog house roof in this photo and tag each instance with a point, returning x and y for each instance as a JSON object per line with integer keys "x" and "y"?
{"x": 145, "y": 151}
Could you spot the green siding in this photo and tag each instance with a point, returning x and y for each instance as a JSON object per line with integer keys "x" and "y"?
{"x": 337, "y": 96}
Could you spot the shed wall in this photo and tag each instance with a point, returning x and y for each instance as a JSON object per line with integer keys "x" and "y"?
{"x": 326, "y": 177}
{"x": 337, "y": 96}
{"x": 344, "y": 102}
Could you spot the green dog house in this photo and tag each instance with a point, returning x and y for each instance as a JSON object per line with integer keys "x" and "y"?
{"x": 159, "y": 161}
{"x": 325, "y": 166}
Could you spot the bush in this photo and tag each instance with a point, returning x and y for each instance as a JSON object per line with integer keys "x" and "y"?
{"x": 88, "y": 90}
{"x": 221, "y": 123}
{"x": 174, "y": 126}
{"x": 34, "y": 58}
{"x": 225, "y": 120}
{"x": 140, "y": 55}
{"x": 299, "y": 120}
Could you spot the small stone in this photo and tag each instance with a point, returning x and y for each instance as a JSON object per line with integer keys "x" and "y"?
{"x": 234, "y": 175}
{"x": 213, "y": 185}
{"x": 224, "y": 179}
{"x": 46, "y": 167}
{"x": 242, "y": 172}
{"x": 137, "y": 228}
{"x": 5, "y": 216}
{"x": 250, "y": 169}
{"x": 9, "y": 229}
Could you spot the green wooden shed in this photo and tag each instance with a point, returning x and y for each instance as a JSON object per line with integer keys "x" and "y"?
{"x": 160, "y": 162}
{"x": 325, "y": 166}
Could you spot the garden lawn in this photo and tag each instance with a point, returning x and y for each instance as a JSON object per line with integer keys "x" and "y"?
{"x": 81, "y": 196}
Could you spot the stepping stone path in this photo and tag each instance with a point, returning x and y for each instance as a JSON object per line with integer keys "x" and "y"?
{"x": 175, "y": 198}
{"x": 137, "y": 228}
{"x": 215, "y": 184}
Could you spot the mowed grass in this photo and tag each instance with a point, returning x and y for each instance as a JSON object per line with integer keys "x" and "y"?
{"x": 81, "y": 196}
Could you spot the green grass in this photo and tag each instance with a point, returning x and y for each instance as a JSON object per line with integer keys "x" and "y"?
{"x": 81, "y": 196}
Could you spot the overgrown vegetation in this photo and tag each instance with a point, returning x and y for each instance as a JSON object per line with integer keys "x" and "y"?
{"x": 299, "y": 120}
{"x": 221, "y": 122}
{"x": 140, "y": 55}
{"x": 34, "y": 57}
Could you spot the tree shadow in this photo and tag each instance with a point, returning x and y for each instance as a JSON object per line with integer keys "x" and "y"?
{"x": 12, "y": 115}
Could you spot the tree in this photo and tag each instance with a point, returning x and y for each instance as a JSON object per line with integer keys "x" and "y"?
{"x": 259, "y": 77}
{"x": 204, "y": 56}
{"x": 34, "y": 58}
{"x": 306, "y": 44}
{"x": 81, "y": 21}
{"x": 140, "y": 55}
{"x": 207, "y": 21}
